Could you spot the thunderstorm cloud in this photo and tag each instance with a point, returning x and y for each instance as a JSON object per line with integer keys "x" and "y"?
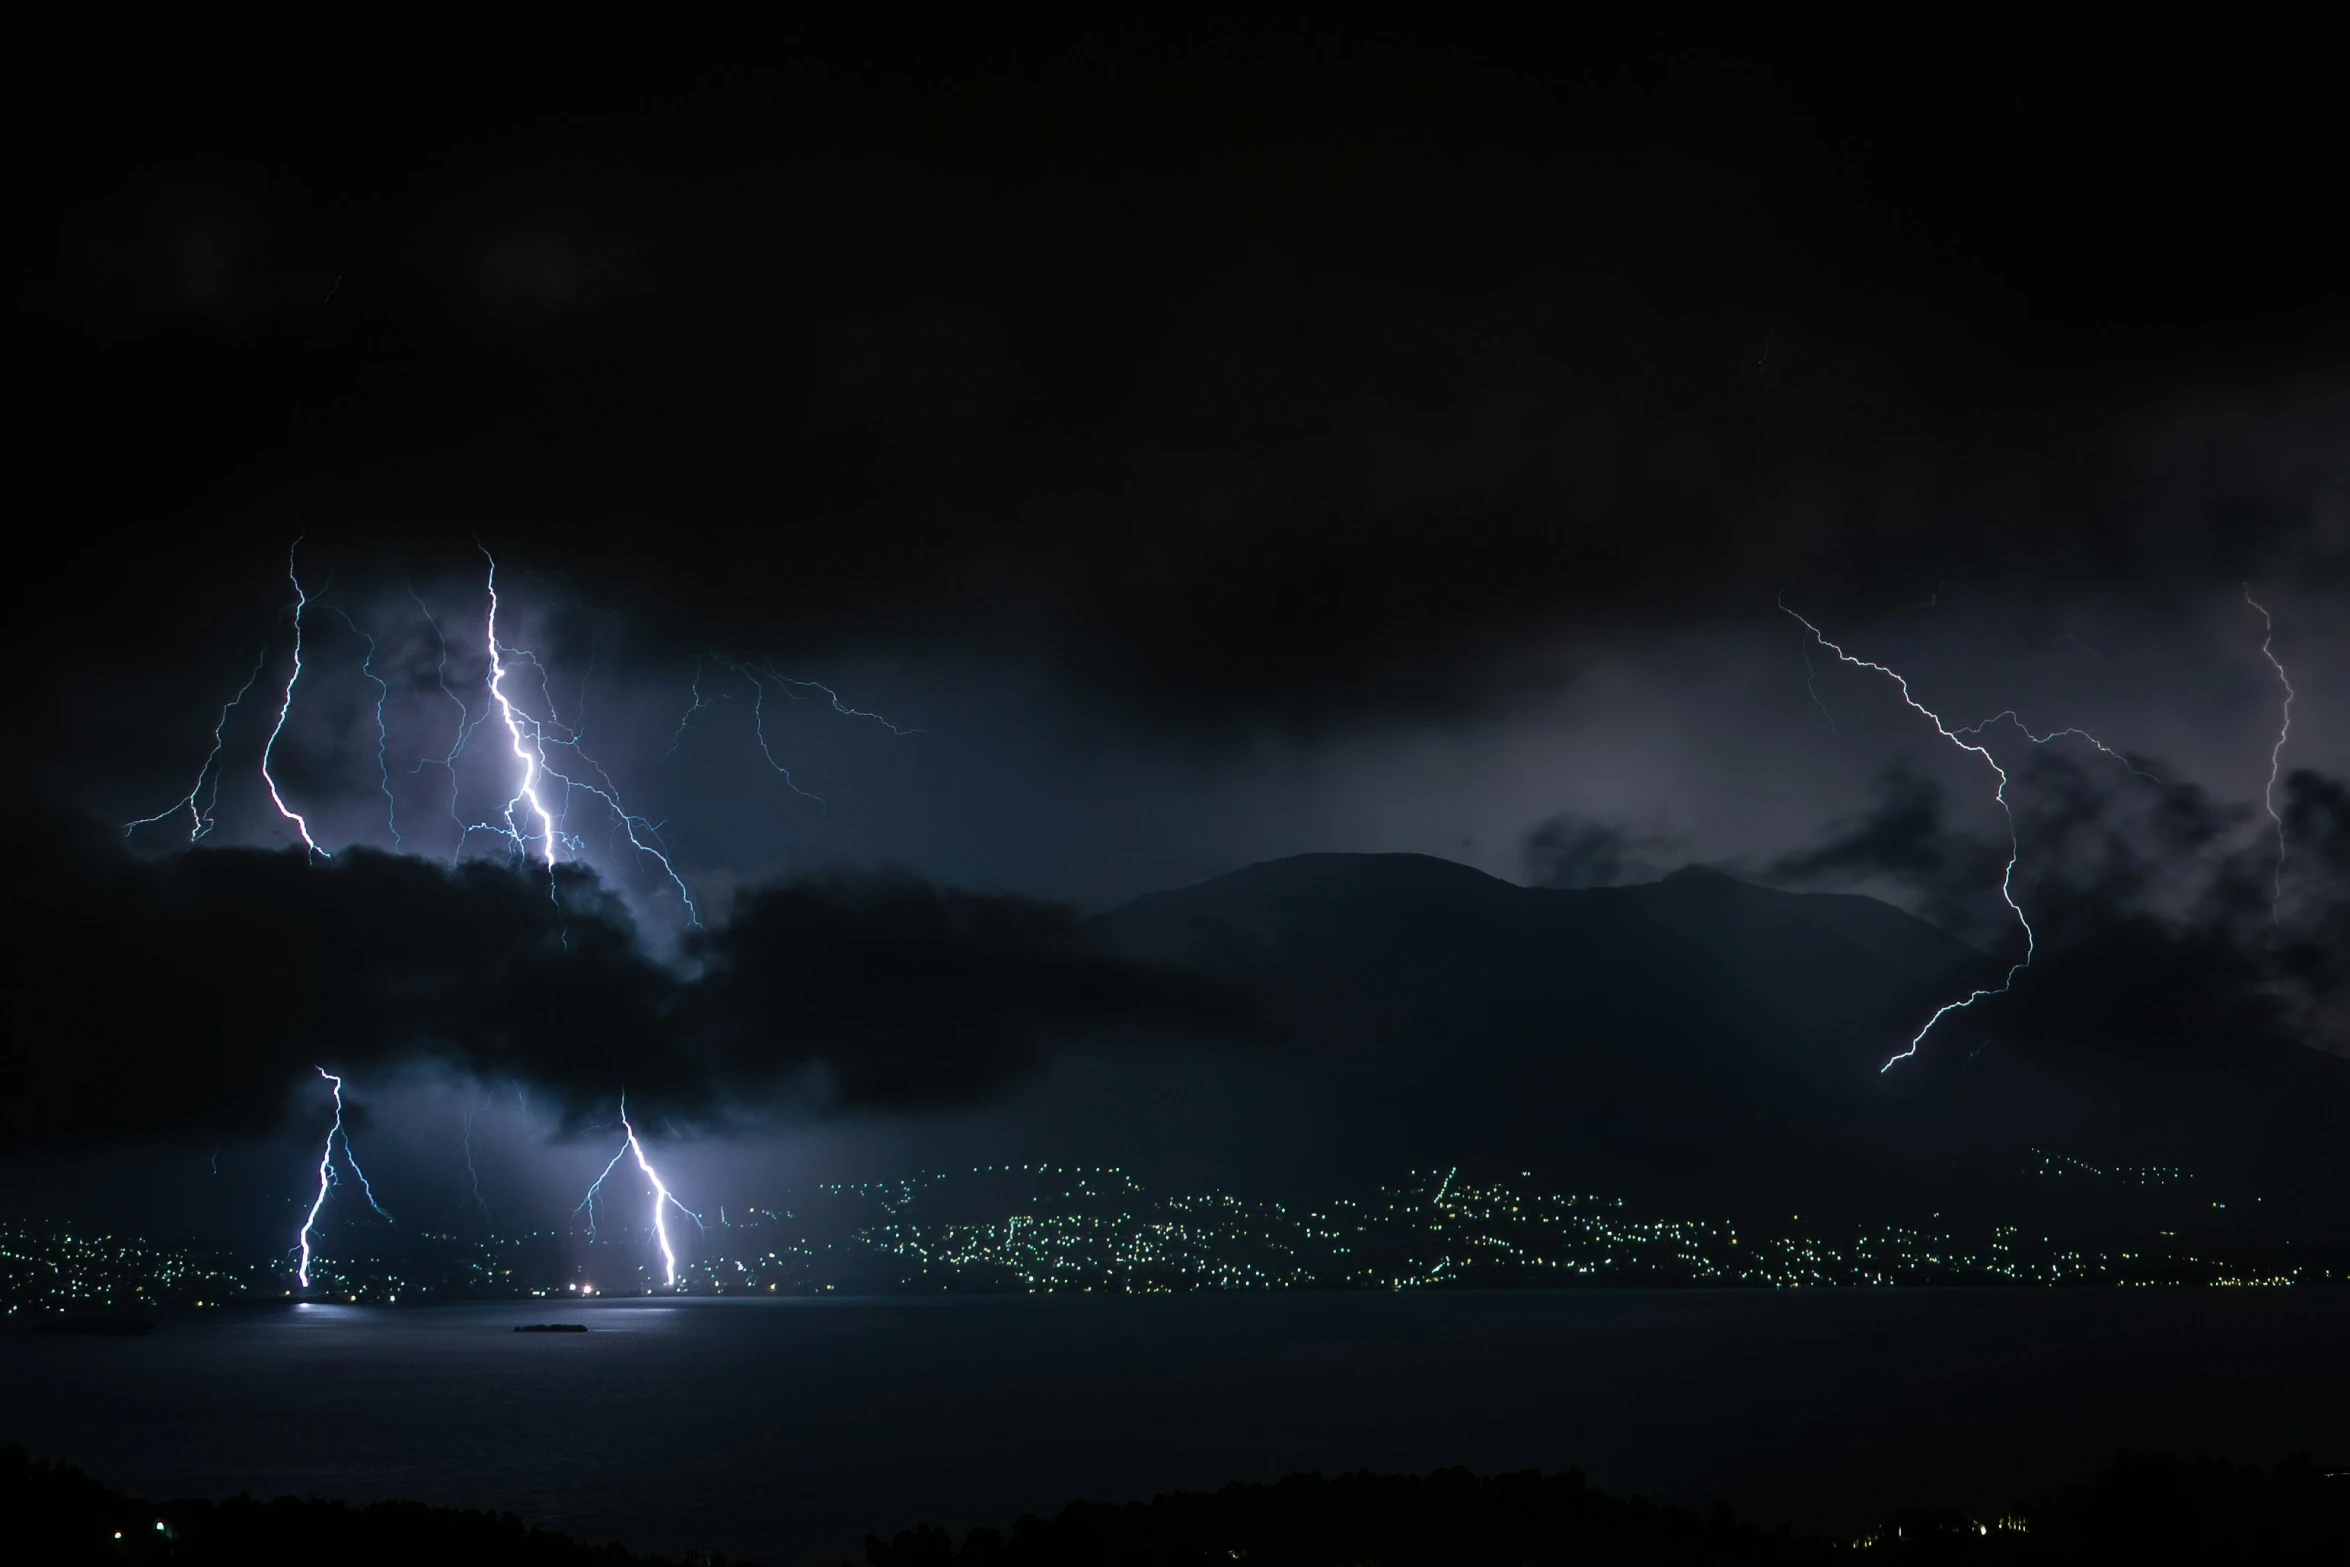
{"x": 175, "y": 997}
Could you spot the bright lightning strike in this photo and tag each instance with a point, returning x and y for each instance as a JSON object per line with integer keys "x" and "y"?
{"x": 515, "y": 722}
{"x": 687, "y": 717}
{"x": 2276, "y": 896}
{"x": 2014, "y": 844}
{"x": 663, "y": 1199}
{"x": 530, "y": 738}
{"x": 535, "y": 821}
{"x": 285, "y": 706}
{"x": 1968, "y": 739}
{"x": 328, "y": 1179}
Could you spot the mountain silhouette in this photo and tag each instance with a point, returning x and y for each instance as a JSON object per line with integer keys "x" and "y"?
{"x": 1700, "y": 1041}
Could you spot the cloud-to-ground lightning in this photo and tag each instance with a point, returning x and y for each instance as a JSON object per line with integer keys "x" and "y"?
{"x": 2014, "y": 843}
{"x": 663, "y": 1199}
{"x": 197, "y": 802}
{"x": 535, "y": 821}
{"x": 1969, "y": 739}
{"x": 2276, "y": 752}
{"x": 527, "y": 789}
{"x": 328, "y": 1179}
{"x": 285, "y": 706}
{"x": 534, "y": 818}
{"x": 529, "y": 737}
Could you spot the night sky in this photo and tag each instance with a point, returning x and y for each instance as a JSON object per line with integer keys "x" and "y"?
{"x": 1196, "y": 451}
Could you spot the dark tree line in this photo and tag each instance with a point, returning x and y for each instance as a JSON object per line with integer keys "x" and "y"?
{"x": 2148, "y": 1512}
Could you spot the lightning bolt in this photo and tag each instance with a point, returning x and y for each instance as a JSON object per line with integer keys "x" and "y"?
{"x": 533, "y": 822}
{"x": 2276, "y": 896}
{"x": 475, "y": 1174}
{"x": 758, "y": 677}
{"x": 285, "y": 706}
{"x": 529, "y": 737}
{"x": 687, "y": 717}
{"x": 516, "y": 722}
{"x": 1811, "y": 683}
{"x": 466, "y": 724}
{"x": 1969, "y": 739}
{"x": 663, "y": 1199}
{"x": 2025, "y": 729}
{"x": 198, "y": 802}
{"x": 383, "y": 733}
{"x": 2014, "y": 844}
{"x": 328, "y": 1180}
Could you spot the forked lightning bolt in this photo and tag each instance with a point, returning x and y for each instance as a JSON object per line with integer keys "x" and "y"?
{"x": 758, "y": 677}
{"x": 2014, "y": 844}
{"x": 2276, "y": 894}
{"x": 285, "y": 706}
{"x": 1969, "y": 739}
{"x": 327, "y": 1179}
{"x": 524, "y": 753}
{"x": 532, "y": 822}
{"x": 530, "y": 737}
{"x": 199, "y": 801}
{"x": 663, "y": 1200}
{"x": 534, "y": 819}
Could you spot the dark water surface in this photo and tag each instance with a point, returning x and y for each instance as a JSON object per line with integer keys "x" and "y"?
{"x": 786, "y": 1429}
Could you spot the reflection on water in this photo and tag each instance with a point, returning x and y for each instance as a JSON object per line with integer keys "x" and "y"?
{"x": 786, "y": 1429}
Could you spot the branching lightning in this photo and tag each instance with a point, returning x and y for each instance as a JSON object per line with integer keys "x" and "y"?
{"x": 686, "y": 718}
{"x": 2276, "y": 897}
{"x": 1969, "y": 739}
{"x": 759, "y": 677}
{"x": 2014, "y": 843}
{"x": 516, "y": 723}
{"x": 383, "y": 733}
{"x": 466, "y": 724}
{"x": 2025, "y": 730}
{"x": 533, "y": 821}
{"x": 472, "y": 1172}
{"x": 663, "y": 1199}
{"x": 198, "y": 801}
{"x": 285, "y": 706}
{"x": 530, "y": 737}
{"x": 328, "y": 1179}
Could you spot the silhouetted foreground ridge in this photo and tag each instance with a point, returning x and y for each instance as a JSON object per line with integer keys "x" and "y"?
{"x": 55, "y": 1514}
{"x": 2149, "y": 1512}
{"x": 2142, "y": 1511}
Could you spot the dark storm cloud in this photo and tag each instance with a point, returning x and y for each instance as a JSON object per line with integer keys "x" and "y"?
{"x": 1280, "y": 383}
{"x": 178, "y": 997}
{"x": 1906, "y": 838}
{"x": 2161, "y": 928}
{"x": 1570, "y": 850}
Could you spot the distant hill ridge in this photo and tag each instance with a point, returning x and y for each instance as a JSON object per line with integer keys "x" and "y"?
{"x": 1696, "y": 1038}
